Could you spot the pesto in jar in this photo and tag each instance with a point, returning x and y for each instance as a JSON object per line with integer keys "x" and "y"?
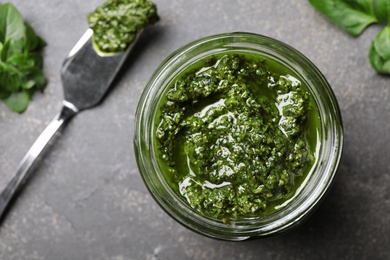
{"x": 236, "y": 134}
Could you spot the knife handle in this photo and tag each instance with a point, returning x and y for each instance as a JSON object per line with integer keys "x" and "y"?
{"x": 24, "y": 169}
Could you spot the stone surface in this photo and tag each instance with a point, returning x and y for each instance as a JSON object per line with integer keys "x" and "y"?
{"x": 86, "y": 199}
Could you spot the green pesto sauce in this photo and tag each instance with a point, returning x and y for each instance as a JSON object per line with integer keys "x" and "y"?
{"x": 236, "y": 135}
{"x": 116, "y": 23}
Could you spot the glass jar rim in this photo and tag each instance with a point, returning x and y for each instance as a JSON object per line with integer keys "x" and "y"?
{"x": 317, "y": 182}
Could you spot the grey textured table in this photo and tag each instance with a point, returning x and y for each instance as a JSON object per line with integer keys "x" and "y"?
{"x": 86, "y": 199}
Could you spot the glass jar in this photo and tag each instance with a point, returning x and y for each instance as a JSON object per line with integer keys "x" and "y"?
{"x": 315, "y": 184}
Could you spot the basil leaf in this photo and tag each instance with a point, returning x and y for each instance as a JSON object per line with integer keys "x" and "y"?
{"x": 33, "y": 41}
{"x": 353, "y": 16}
{"x": 37, "y": 58}
{"x": 9, "y": 78}
{"x": 4, "y": 51}
{"x": 20, "y": 60}
{"x": 4, "y": 94}
{"x": 380, "y": 51}
{"x": 31, "y": 38}
{"x": 11, "y": 23}
{"x": 11, "y": 47}
{"x": 37, "y": 76}
{"x": 382, "y": 10}
{"x": 17, "y": 101}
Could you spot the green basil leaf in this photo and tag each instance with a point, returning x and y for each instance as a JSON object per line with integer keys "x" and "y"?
{"x": 10, "y": 81}
{"x": 20, "y": 61}
{"x": 23, "y": 63}
{"x": 4, "y": 94}
{"x": 37, "y": 76}
{"x": 4, "y": 51}
{"x": 11, "y": 23}
{"x": 380, "y": 51}
{"x": 28, "y": 84}
{"x": 40, "y": 43}
{"x": 353, "y": 16}
{"x": 17, "y": 101}
{"x": 32, "y": 41}
{"x": 382, "y": 10}
{"x": 12, "y": 48}
{"x": 38, "y": 60}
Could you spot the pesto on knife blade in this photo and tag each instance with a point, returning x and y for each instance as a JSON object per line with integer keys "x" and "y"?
{"x": 116, "y": 23}
{"x": 233, "y": 135}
